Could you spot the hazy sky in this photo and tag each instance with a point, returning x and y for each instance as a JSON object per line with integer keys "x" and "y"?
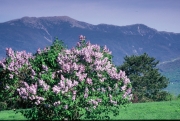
{"x": 163, "y": 15}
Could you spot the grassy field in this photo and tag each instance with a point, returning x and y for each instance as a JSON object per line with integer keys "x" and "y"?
{"x": 152, "y": 110}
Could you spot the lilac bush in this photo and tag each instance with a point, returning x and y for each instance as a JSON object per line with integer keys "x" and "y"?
{"x": 70, "y": 83}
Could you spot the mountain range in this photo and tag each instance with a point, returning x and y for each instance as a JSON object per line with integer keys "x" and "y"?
{"x": 31, "y": 33}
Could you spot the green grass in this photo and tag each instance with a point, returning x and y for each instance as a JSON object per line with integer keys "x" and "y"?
{"x": 151, "y": 110}
{"x": 10, "y": 115}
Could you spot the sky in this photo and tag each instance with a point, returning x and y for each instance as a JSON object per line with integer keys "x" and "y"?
{"x": 162, "y": 15}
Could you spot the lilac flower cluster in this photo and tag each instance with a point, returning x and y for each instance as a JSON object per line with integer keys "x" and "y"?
{"x": 93, "y": 55}
{"x": 45, "y": 67}
{"x": 7, "y": 87}
{"x": 81, "y": 37}
{"x": 30, "y": 92}
{"x": 63, "y": 86}
{"x": 2, "y": 63}
{"x": 18, "y": 60}
{"x": 95, "y": 102}
{"x": 44, "y": 85}
{"x": 86, "y": 92}
{"x": 39, "y": 51}
{"x": 56, "y": 103}
{"x": 74, "y": 95}
{"x": 111, "y": 101}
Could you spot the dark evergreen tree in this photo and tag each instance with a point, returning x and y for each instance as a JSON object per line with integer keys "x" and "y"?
{"x": 147, "y": 82}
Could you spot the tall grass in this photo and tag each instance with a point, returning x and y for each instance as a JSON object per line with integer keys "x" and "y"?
{"x": 143, "y": 111}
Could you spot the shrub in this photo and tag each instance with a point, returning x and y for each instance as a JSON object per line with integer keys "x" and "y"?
{"x": 59, "y": 83}
{"x": 163, "y": 96}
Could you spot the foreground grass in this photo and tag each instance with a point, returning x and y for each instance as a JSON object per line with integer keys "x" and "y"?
{"x": 10, "y": 115}
{"x": 152, "y": 110}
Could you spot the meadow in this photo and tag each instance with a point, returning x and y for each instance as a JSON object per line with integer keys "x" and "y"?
{"x": 138, "y": 111}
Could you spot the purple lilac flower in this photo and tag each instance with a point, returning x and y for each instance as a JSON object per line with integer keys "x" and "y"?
{"x": 99, "y": 100}
{"x": 39, "y": 51}
{"x": 53, "y": 75}
{"x": 113, "y": 102}
{"x": 33, "y": 89}
{"x": 62, "y": 77}
{"x": 66, "y": 68}
{"x": 86, "y": 92}
{"x": 81, "y": 68}
{"x": 88, "y": 43}
{"x": 32, "y": 97}
{"x": 94, "y": 102}
{"x": 99, "y": 75}
{"x": 66, "y": 107}
{"x": 109, "y": 88}
{"x": 3, "y": 65}
{"x": 128, "y": 91}
{"x": 66, "y": 89}
{"x": 61, "y": 84}
{"x": 7, "y": 87}
{"x": 57, "y": 103}
{"x": 98, "y": 55}
{"x": 10, "y": 76}
{"x": 75, "y": 83}
{"x": 56, "y": 89}
{"x": 69, "y": 83}
{"x": 126, "y": 81}
{"x": 44, "y": 85}
{"x": 105, "y": 49}
{"x": 73, "y": 97}
{"x": 102, "y": 89}
{"x": 81, "y": 37}
{"x": 110, "y": 96}
{"x": 75, "y": 66}
{"x": 33, "y": 72}
{"x": 89, "y": 81}
{"x": 23, "y": 92}
{"x": 45, "y": 67}
{"x": 123, "y": 88}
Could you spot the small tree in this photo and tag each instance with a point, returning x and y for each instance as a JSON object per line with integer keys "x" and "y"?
{"x": 146, "y": 80}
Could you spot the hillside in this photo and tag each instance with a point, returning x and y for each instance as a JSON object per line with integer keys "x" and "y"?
{"x": 30, "y": 33}
{"x": 171, "y": 69}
